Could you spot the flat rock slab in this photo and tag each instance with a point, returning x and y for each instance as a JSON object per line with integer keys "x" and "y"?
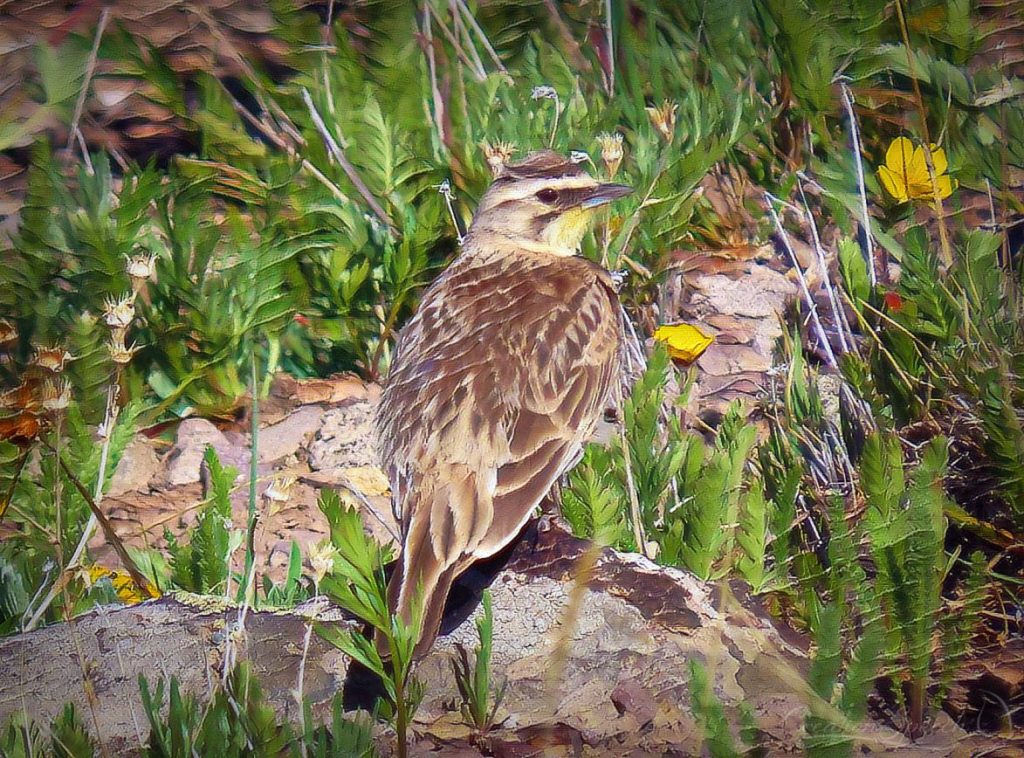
{"x": 621, "y": 689}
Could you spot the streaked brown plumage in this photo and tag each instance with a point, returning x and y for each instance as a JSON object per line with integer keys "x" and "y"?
{"x": 498, "y": 380}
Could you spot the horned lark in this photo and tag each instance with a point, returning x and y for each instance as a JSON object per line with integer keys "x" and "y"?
{"x": 498, "y": 380}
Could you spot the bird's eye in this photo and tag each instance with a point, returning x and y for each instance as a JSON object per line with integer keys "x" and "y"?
{"x": 547, "y": 196}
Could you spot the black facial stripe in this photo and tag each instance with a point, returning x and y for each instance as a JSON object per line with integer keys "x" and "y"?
{"x": 541, "y": 221}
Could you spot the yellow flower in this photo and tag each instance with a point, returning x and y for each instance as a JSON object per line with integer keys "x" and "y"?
{"x": 684, "y": 342}
{"x": 122, "y": 583}
{"x": 905, "y": 173}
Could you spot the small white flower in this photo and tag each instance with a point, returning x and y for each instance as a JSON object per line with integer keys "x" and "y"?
{"x": 56, "y": 395}
{"x": 321, "y": 560}
{"x": 119, "y": 353}
{"x": 140, "y": 267}
{"x": 611, "y": 151}
{"x": 578, "y": 156}
{"x": 119, "y": 313}
{"x": 279, "y": 489}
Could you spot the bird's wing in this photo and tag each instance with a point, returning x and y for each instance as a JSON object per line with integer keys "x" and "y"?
{"x": 496, "y": 384}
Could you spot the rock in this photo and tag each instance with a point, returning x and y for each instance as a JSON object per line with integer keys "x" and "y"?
{"x": 289, "y": 435}
{"x": 340, "y": 388}
{"x": 184, "y": 462}
{"x": 632, "y": 698}
{"x": 760, "y": 294}
{"x": 346, "y": 438}
{"x": 138, "y": 465}
{"x": 723, "y": 360}
{"x": 621, "y": 688}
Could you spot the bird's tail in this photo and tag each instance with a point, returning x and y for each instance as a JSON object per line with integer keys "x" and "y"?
{"x": 425, "y": 600}
{"x": 436, "y": 543}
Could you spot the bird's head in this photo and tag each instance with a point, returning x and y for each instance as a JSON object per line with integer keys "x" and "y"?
{"x": 543, "y": 202}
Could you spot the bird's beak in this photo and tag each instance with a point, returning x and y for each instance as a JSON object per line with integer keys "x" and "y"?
{"x": 602, "y": 194}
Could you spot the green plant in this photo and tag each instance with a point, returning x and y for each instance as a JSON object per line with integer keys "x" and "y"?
{"x": 688, "y": 495}
{"x": 203, "y": 565}
{"x": 474, "y": 678}
{"x": 848, "y": 633}
{"x": 357, "y": 583}
{"x": 717, "y": 736}
{"x": 237, "y": 721}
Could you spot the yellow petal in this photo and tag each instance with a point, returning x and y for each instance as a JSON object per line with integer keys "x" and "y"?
{"x": 945, "y": 186}
{"x": 917, "y": 169}
{"x": 893, "y": 184}
{"x": 899, "y": 156}
{"x": 684, "y": 342}
{"x": 939, "y": 161}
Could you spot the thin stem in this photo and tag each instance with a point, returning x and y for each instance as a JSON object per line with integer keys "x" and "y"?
{"x": 837, "y": 312}
{"x": 463, "y": 32}
{"x": 634, "y": 500}
{"x": 940, "y": 215}
{"x": 812, "y": 307}
{"x": 250, "y": 530}
{"x": 346, "y": 166}
{"x": 483, "y": 38}
{"x": 610, "y": 41}
{"x": 859, "y": 163}
{"x": 90, "y": 69}
{"x": 106, "y": 428}
{"x": 435, "y": 93}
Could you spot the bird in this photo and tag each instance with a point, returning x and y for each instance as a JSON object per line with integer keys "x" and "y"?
{"x": 497, "y": 381}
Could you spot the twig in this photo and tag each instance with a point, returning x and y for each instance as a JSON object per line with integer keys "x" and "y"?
{"x": 107, "y": 430}
{"x": 5, "y": 503}
{"x": 281, "y": 144}
{"x": 90, "y": 69}
{"x": 579, "y": 60}
{"x": 634, "y": 501}
{"x": 858, "y": 160}
{"x": 108, "y": 529}
{"x": 459, "y": 49}
{"x": 610, "y": 40}
{"x": 347, "y": 167}
{"x": 842, "y": 325}
{"x": 435, "y": 93}
{"x": 769, "y": 198}
{"x": 300, "y": 688}
{"x": 462, "y": 31}
{"x": 483, "y": 38}
{"x": 445, "y": 190}
{"x": 365, "y": 502}
{"x": 944, "y": 246}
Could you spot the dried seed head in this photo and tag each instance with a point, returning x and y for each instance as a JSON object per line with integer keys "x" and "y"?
{"x": 497, "y": 155}
{"x": 56, "y": 395}
{"x": 119, "y": 352}
{"x": 119, "y": 313}
{"x": 19, "y": 398}
{"x": 279, "y": 489}
{"x": 51, "y": 358}
{"x": 8, "y": 333}
{"x": 664, "y": 119}
{"x": 321, "y": 560}
{"x": 611, "y": 152}
{"x": 140, "y": 268}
